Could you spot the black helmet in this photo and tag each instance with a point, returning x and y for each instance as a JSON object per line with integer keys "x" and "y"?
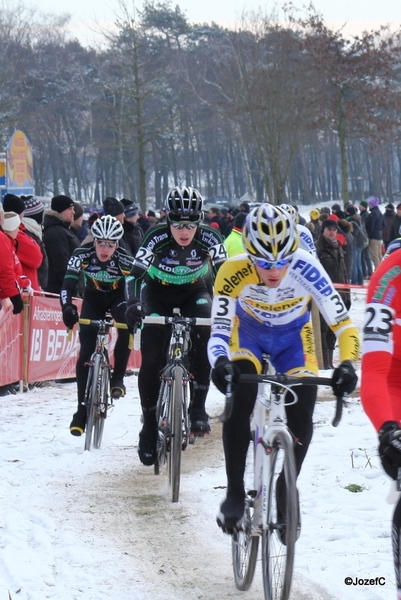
{"x": 185, "y": 202}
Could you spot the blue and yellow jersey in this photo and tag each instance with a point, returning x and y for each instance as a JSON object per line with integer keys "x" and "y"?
{"x": 241, "y": 296}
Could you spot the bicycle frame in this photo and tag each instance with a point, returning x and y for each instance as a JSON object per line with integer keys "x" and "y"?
{"x": 272, "y": 461}
{"x": 172, "y": 405}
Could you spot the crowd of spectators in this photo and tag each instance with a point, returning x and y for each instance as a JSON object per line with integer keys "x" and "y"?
{"x": 45, "y": 239}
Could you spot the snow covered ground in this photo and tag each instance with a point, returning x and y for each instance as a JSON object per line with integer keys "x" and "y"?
{"x": 98, "y": 525}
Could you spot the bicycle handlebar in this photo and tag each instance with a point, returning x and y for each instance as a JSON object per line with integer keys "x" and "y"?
{"x": 177, "y": 319}
{"x": 281, "y": 380}
{"x": 107, "y": 322}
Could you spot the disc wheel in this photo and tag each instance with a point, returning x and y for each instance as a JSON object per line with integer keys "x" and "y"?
{"x": 176, "y": 433}
{"x": 278, "y": 540}
{"x": 245, "y": 545}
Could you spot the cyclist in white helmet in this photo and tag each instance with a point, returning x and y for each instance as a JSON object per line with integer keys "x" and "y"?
{"x": 261, "y": 305}
{"x": 105, "y": 267}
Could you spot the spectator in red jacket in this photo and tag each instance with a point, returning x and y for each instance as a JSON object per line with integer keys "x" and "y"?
{"x": 9, "y": 287}
{"x": 28, "y": 248}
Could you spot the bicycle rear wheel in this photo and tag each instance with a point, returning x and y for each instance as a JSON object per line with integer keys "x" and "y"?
{"x": 101, "y": 405}
{"x": 278, "y": 546}
{"x": 176, "y": 432}
{"x": 163, "y": 427}
{"x": 244, "y": 545}
{"x": 91, "y": 398}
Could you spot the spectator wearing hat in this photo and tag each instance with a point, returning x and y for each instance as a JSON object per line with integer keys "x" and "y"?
{"x": 374, "y": 228}
{"x": 133, "y": 234}
{"x": 152, "y": 218}
{"x": 9, "y": 273}
{"x": 60, "y": 242}
{"x": 338, "y": 211}
{"x": 313, "y": 225}
{"x": 331, "y": 255}
{"x": 354, "y": 219}
{"x": 29, "y": 246}
{"x": 114, "y": 208}
{"x": 11, "y": 227}
{"x": 32, "y": 220}
{"x": 233, "y": 242}
{"x": 366, "y": 259}
{"x": 389, "y": 215}
{"x": 244, "y": 207}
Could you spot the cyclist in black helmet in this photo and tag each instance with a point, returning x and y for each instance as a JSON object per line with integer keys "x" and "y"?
{"x": 105, "y": 267}
{"x": 172, "y": 269}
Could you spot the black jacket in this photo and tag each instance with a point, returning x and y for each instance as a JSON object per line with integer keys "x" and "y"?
{"x": 60, "y": 242}
{"x": 375, "y": 224}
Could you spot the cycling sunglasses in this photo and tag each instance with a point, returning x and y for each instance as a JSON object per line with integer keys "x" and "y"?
{"x": 105, "y": 244}
{"x": 184, "y": 225}
{"x": 177, "y": 218}
{"x": 267, "y": 265}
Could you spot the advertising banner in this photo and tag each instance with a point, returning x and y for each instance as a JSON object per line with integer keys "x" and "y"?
{"x": 51, "y": 355}
{"x": 11, "y": 360}
{"x": 19, "y": 165}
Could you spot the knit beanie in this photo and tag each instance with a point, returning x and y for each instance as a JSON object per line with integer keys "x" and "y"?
{"x": 13, "y": 203}
{"x": 239, "y": 220}
{"x": 61, "y": 203}
{"x": 314, "y": 214}
{"x": 113, "y": 207}
{"x": 373, "y": 201}
{"x": 33, "y": 206}
{"x": 329, "y": 223}
{"x": 363, "y": 203}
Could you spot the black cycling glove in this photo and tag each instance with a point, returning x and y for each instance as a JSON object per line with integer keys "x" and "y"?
{"x": 344, "y": 379}
{"x": 390, "y": 447}
{"x": 70, "y": 315}
{"x": 220, "y": 372}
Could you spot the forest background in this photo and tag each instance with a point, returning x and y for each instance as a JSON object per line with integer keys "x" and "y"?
{"x": 285, "y": 110}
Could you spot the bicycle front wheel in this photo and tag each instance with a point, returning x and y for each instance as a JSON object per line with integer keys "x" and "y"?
{"x": 245, "y": 543}
{"x": 176, "y": 417}
{"x": 279, "y": 536}
{"x": 91, "y": 398}
{"x": 163, "y": 427}
{"x": 101, "y": 405}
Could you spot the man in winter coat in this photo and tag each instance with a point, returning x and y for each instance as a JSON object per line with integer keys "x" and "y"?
{"x": 331, "y": 256}
{"x": 133, "y": 234}
{"x": 366, "y": 259}
{"x": 396, "y": 224}
{"x": 389, "y": 215}
{"x": 374, "y": 229}
{"x": 60, "y": 242}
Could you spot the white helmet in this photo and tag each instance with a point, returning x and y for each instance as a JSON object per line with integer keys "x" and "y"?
{"x": 107, "y": 228}
{"x": 291, "y": 211}
{"x": 270, "y": 233}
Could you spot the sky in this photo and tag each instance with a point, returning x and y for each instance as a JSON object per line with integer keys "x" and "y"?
{"x": 359, "y": 14}
{"x": 98, "y": 525}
